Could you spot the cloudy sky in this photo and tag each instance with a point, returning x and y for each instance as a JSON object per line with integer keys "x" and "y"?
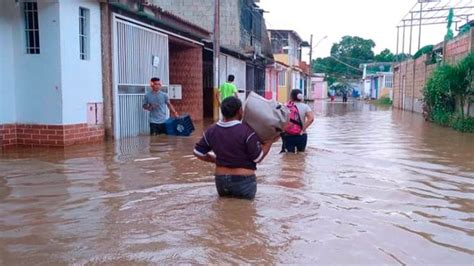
{"x": 374, "y": 19}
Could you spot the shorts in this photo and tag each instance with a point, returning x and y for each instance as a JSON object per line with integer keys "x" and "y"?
{"x": 294, "y": 143}
{"x": 157, "y": 129}
{"x": 236, "y": 186}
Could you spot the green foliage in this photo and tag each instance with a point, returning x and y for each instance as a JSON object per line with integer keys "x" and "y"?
{"x": 401, "y": 57}
{"x": 436, "y": 93}
{"x": 331, "y": 80}
{"x": 464, "y": 29}
{"x": 463, "y": 124}
{"x": 448, "y": 85}
{"x": 423, "y": 50}
{"x": 461, "y": 81}
{"x": 354, "y": 47}
{"x": 385, "y": 56}
{"x": 346, "y": 56}
{"x": 441, "y": 117}
{"x": 385, "y": 100}
{"x": 449, "y": 35}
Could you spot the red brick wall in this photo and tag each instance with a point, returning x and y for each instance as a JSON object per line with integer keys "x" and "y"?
{"x": 415, "y": 72}
{"x": 457, "y": 49}
{"x": 8, "y": 135}
{"x": 186, "y": 69}
{"x": 49, "y": 135}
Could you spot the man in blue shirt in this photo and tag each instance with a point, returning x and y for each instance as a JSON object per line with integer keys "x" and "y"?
{"x": 156, "y": 103}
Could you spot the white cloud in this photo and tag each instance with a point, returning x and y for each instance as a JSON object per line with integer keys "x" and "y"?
{"x": 374, "y": 19}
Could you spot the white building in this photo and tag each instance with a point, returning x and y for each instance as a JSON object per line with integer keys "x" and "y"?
{"x": 50, "y": 72}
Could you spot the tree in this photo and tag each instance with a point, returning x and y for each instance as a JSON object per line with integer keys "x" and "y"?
{"x": 385, "y": 56}
{"x": 447, "y": 92}
{"x": 449, "y": 35}
{"x": 462, "y": 81}
{"x": 401, "y": 57}
{"x": 346, "y": 57}
{"x": 353, "y": 48}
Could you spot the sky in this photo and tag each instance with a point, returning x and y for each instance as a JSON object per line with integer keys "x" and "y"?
{"x": 369, "y": 19}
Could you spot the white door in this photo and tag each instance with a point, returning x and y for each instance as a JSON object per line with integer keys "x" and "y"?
{"x": 140, "y": 53}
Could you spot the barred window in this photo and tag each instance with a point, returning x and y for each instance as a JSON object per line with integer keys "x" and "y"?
{"x": 30, "y": 11}
{"x": 388, "y": 81}
{"x": 84, "y": 38}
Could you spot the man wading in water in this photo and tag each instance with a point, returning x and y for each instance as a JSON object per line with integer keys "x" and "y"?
{"x": 237, "y": 151}
{"x": 156, "y": 103}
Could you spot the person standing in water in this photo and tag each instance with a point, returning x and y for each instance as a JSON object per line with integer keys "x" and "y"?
{"x": 295, "y": 137}
{"x": 157, "y": 102}
{"x": 237, "y": 150}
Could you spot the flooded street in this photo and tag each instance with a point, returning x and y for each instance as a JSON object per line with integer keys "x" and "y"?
{"x": 376, "y": 186}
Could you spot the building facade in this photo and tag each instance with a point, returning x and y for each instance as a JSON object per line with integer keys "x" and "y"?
{"x": 50, "y": 73}
{"x": 377, "y": 81}
{"x": 242, "y": 37}
{"x": 319, "y": 86}
{"x": 144, "y": 41}
{"x": 286, "y": 47}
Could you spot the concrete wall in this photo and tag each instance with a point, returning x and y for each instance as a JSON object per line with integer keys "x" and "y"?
{"x": 81, "y": 79}
{"x": 229, "y": 65}
{"x": 201, "y": 13}
{"x": 293, "y": 51}
{"x": 283, "y": 91}
{"x": 38, "y": 76}
{"x": 283, "y": 58}
{"x": 7, "y": 71}
{"x": 106, "y": 42}
{"x": 47, "y": 86}
{"x": 319, "y": 90}
{"x": 271, "y": 83}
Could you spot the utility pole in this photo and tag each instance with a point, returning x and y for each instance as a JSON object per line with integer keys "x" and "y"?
{"x": 419, "y": 27}
{"x": 216, "y": 49}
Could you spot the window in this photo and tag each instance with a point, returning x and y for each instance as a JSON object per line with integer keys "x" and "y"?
{"x": 30, "y": 10}
{"x": 84, "y": 37}
{"x": 282, "y": 78}
{"x": 388, "y": 81}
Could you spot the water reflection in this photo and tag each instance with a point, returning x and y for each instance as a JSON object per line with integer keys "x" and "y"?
{"x": 375, "y": 186}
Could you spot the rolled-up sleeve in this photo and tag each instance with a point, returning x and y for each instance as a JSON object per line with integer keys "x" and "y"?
{"x": 254, "y": 147}
{"x": 202, "y": 147}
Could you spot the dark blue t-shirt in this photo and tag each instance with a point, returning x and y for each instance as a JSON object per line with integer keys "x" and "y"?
{"x": 235, "y": 144}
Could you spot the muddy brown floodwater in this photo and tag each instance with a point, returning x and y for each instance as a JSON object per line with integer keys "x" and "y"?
{"x": 376, "y": 186}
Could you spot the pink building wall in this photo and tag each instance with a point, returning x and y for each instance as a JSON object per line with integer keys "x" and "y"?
{"x": 319, "y": 87}
{"x": 271, "y": 83}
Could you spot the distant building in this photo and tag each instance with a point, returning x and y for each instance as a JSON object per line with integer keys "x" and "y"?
{"x": 245, "y": 46}
{"x": 286, "y": 47}
{"x": 377, "y": 80}
{"x": 319, "y": 86}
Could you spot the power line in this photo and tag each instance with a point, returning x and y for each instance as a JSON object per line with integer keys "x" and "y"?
{"x": 345, "y": 63}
